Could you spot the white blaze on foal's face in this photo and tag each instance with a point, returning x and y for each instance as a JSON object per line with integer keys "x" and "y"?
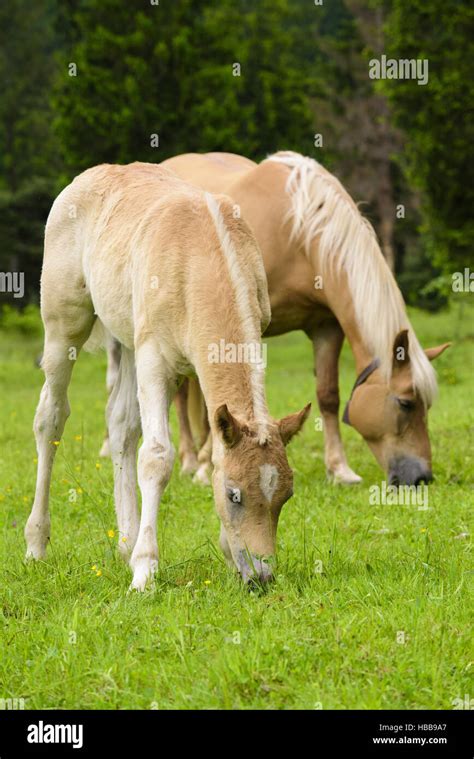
{"x": 252, "y": 480}
{"x": 268, "y": 480}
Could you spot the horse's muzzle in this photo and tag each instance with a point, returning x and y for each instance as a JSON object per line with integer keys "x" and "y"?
{"x": 409, "y": 471}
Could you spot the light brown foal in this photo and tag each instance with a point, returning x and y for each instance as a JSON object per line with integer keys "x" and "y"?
{"x": 169, "y": 272}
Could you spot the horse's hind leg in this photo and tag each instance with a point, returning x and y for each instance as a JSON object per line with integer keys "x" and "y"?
{"x": 61, "y": 348}
{"x": 187, "y": 449}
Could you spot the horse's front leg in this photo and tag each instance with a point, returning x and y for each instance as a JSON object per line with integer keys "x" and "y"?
{"x": 327, "y": 344}
{"x": 155, "y": 458}
{"x": 203, "y": 474}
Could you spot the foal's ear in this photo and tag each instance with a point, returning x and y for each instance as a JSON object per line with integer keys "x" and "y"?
{"x": 401, "y": 356}
{"x": 290, "y": 425}
{"x": 433, "y": 353}
{"x": 228, "y": 426}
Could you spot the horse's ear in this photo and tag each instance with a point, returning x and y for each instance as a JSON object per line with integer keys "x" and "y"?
{"x": 228, "y": 427}
{"x": 400, "y": 350}
{"x": 433, "y": 353}
{"x": 290, "y": 425}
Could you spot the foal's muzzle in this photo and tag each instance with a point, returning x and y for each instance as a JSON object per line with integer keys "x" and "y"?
{"x": 409, "y": 471}
{"x": 253, "y": 569}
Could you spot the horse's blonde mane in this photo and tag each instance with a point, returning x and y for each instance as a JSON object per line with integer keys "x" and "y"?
{"x": 321, "y": 207}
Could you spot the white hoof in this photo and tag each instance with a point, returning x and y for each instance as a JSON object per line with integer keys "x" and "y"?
{"x": 202, "y": 475}
{"x": 189, "y": 463}
{"x": 37, "y": 538}
{"x": 143, "y": 574}
{"x": 344, "y": 475}
{"x": 105, "y": 450}
{"x": 35, "y": 552}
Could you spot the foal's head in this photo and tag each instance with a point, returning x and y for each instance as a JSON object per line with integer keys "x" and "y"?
{"x": 252, "y": 480}
{"x": 392, "y": 417}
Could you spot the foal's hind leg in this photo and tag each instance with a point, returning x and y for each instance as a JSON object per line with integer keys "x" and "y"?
{"x": 123, "y": 418}
{"x": 327, "y": 344}
{"x": 155, "y": 459}
{"x": 113, "y": 365}
{"x": 60, "y": 351}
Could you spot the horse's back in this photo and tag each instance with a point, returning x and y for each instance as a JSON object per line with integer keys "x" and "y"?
{"x": 213, "y": 172}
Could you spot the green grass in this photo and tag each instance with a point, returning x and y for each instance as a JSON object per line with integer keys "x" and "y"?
{"x": 73, "y": 638}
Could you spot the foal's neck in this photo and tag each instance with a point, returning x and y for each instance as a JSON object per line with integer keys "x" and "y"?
{"x": 239, "y": 385}
{"x": 230, "y": 364}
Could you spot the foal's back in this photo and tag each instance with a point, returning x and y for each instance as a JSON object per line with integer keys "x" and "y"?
{"x": 143, "y": 247}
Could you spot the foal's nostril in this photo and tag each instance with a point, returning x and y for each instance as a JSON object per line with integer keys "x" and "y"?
{"x": 259, "y": 582}
{"x": 254, "y": 571}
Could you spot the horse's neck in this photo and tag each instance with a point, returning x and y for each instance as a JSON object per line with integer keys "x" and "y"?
{"x": 337, "y": 297}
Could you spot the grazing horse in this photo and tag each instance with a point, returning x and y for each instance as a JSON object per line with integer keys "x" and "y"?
{"x": 327, "y": 276}
{"x": 168, "y": 271}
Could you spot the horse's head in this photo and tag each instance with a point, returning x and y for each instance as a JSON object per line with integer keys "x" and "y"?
{"x": 252, "y": 480}
{"x": 392, "y": 417}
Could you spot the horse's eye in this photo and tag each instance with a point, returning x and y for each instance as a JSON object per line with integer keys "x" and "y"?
{"x": 405, "y": 404}
{"x": 234, "y": 495}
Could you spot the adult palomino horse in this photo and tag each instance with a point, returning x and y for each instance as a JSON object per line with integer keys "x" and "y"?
{"x": 327, "y": 276}
{"x": 166, "y": 270}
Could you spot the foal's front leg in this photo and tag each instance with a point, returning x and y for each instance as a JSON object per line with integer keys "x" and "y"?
{"x": 155, "y": 458}
{"x": 327, "y": 344}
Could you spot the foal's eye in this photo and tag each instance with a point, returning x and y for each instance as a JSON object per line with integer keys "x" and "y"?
{"x": 234, "y": 495}
{"x": 405, "y": 404}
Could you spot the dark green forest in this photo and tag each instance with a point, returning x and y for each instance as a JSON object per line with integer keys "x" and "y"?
{"x": 88, "y": 81}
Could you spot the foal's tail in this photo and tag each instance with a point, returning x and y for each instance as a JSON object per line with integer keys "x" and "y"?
{"x": 99, "y": 339}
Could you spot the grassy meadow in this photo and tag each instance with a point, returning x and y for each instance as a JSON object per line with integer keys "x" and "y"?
{"x": 371, "y": 608}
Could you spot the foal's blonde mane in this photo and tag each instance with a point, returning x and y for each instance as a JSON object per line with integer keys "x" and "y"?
{"x": 321, "y": 207}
